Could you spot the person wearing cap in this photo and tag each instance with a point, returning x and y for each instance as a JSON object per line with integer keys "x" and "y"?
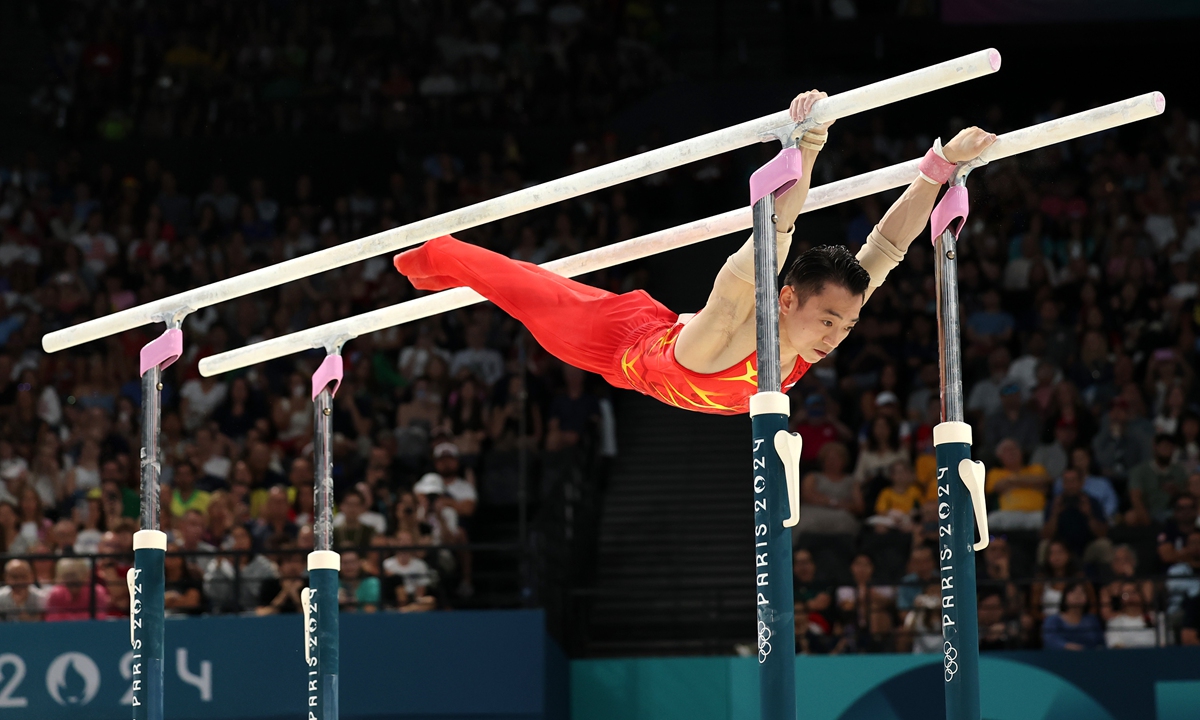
{"x": 454, "y": 495}
{"x": 1014, "y": 421}
{"x": 1154, "y": 482}
{"x": 818, "y": 428}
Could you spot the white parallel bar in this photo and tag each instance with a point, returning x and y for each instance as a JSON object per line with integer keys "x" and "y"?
{"x": 884, "y": 92}
{"x": 1008, "y": 144}
{"x": 1070, "y": 127}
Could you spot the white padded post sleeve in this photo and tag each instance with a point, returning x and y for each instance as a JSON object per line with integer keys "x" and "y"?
{"x": 324, "y": 560}
{"x": 153, "y": 539}
{"x": 766, "y": 402}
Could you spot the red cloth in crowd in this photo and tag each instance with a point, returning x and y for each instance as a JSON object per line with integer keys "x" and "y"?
{"x": 65, "y": 604}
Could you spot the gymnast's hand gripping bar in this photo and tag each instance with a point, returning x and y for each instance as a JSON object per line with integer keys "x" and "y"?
{"x": 868, "y": 97}
{"x": 1008, "y": 144}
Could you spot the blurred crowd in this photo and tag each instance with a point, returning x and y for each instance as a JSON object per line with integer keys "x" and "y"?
{"x": 1078, "y": 281}
{"x": 435, "y": 424}
{"x": 1078, "y": 288}
{"x": 189, "y": 69}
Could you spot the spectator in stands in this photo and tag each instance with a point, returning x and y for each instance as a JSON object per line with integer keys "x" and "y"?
{"x": 408, "y": 577}
{"x": 1020, "y": 490}
{"x": 468, "y": 416}
{"x": 574, "y": 414}
{"x": 1056, "y": 456}
{"x": 897, "y": 506}
{"x": 1183, "y": 583}
{"x": 12, "y": 541}
{"x": 282, "y": 595}
{"x": 1055, "y": 572}
{"x": 190, "y": 539}
{"x": 1077, "y": 520}
{"x": 20, "y": 599}
{"x": 1124, "y": 570}
{"x": 1074, "y": 626}
{"x": 996, "y": 632}
{"x": 183, "y": 588}
{"x": 184, "y": 494}
{"x": 357, "y": 591}
{"x": 1013, "y": 421}
{"x": 984, "y": 398}
{"x": 923, "y": 622}
{"x": 274, "y": 528}
{"x": 830, "y": 499}
{"x": 813, "y": 603}
{"x": 877, "y": 455}
{"x": 477, "y": 359}
{"x": 353, "y": 532}
{"x": 989, "y": 327}
{"x": 864, "y": 609}
{"x": 1130, "y": 625}
{"x": 73, "y": 596}
{"x": 1095, "y": 486}
{"x": 230, "y": 590}
{"x": 1153, "y": 483}
{"x": 997, "y": 575}
{"x": 1172, "y": 540}
{"x": 922, "y": 570}
{"x": 1117, "y": 448}
{"x": 818, "y": 428}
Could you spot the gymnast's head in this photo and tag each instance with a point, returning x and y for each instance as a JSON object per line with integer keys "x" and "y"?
{"x": 820, "y": 300}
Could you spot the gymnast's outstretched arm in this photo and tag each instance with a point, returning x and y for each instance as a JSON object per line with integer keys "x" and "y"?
{"x": 731, "y": 301}
{"x": 907, "y": 217}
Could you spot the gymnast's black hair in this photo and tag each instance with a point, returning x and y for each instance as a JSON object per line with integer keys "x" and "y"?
{"x": 826, "y": 265}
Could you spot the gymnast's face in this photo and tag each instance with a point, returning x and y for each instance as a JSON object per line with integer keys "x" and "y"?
{"x": 814, "y": 327}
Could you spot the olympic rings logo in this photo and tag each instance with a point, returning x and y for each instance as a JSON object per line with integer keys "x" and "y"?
{"x": 764, "y": 647}
{"x": 949, "y": 661}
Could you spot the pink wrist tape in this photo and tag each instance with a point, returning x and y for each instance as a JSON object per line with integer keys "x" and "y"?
{"x": 935, "y": 168}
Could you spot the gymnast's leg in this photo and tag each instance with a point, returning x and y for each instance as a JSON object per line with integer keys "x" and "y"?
{"x": 579, "y": 324}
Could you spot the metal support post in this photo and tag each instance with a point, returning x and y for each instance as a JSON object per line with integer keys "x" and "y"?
{"x": 145, "y": 578}
{"x": 776, "y": 457}
{"x": 959, "y": 480}
{"x": 320, "y": 598}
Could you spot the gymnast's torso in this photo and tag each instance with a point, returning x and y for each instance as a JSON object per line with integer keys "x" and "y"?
{"x": 649, "y": 366}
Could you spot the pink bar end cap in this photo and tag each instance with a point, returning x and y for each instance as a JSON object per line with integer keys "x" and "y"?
{"x": 329, "y": 372}
{"x": 161, "y": 351}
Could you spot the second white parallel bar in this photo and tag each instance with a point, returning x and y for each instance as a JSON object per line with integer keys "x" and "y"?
{"x": 1007, "y": 145}
{"x": 884, "y": 92}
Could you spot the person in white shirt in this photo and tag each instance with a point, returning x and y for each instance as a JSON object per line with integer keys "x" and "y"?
{"x": 20, "y": 599}
{"x": 201, "y": 396}
{"x": 413, "y": 577}
{"x": 478, "y": 359}
{"x": 1130, "y": 627}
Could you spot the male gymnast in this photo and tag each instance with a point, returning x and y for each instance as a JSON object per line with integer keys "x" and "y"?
{"x": 705, "y": 361}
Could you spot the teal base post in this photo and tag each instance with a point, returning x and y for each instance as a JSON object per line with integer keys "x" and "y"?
{"x": 956, "y": 558}
{"x": 146, "y": 618}
{"x": 773, "y": 574}
{"x": 322, "y": 640}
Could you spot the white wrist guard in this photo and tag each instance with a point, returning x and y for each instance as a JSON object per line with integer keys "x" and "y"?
{"x": 878, "y": 256}
{"x": 741, "y": 263}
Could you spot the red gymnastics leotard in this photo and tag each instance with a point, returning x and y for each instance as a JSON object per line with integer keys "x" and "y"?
{"x": 628, "y": 339}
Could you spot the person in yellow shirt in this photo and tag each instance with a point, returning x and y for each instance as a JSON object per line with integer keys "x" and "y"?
{"x": 895, "y": 505}
{"x": 184, "y": 495}
{"x": 1020, "y": 490}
